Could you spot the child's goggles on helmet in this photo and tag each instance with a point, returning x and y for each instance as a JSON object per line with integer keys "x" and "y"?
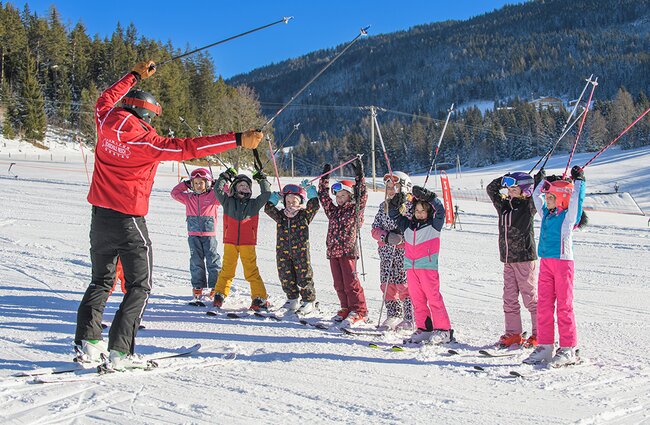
{"x": 292, "y": 189}
{"x": 508, "y": 181}
{"x": 389, "y": 177}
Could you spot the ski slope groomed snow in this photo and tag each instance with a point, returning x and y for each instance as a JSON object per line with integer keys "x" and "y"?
{"x": 286, "y": 372}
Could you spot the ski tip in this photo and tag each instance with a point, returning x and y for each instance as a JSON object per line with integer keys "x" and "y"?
{"x": 396, "y": 348}
{"x": 515, "y": 374}
{"x": 373, "y": 345}
{"x": 480, "y": 368}
{"x": 452, "y": 352}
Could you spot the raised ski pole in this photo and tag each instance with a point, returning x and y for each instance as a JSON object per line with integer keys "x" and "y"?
{"x": 582, "y": 123}
{"x": 295, "y": 127}
{"x": 390, "y": 171}
{"x": 433, "y": 163}
{"x": 617, "y": 137}
{"x": 362, "y": 32}
{"x": 381, "y": 141}
{"x": 563, "y": 132}
{"x": 548, "y": 153}
{"x": 285, "y": 20}
{"x": 336, "y": 168}
{"x": 357, "y": 221}
{"x": 275, "y": 164}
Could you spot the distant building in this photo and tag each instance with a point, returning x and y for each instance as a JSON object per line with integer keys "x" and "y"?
{"x": 548, "y": 102}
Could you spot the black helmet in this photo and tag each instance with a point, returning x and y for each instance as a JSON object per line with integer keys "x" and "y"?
{"x": 142, "y": 104}
{"x": 240, "y": 178}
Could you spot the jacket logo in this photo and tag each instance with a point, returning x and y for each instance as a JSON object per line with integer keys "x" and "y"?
{"x": 116, "y": 149}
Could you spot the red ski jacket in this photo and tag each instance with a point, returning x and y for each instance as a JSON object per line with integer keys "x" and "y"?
{"x": 129, "y": 150}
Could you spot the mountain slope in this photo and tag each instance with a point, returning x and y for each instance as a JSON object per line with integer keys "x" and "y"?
{"x": 527, "y": 50}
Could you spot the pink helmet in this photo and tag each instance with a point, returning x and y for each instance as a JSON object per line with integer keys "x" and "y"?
{"x": 561, "y": 189}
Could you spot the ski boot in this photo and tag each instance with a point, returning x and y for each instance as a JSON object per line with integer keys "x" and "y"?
{"x": 565, "y": 356}
{"x": 542, "y": 354}
{"x": 307, "y": 308}
{"x": 341, "y": 315}
{"x": 531, "y": 342}
{"x": 355, "y": 319}
{"x": 90, "y": 350}
{"x": 291, "y": 305}
{"x": 391, "y": 323}
{"x": 119, "y": 361}
{"x": 442, "y": 336}
{"x": 509, "y": 339}
{"x": 260, "y": 305}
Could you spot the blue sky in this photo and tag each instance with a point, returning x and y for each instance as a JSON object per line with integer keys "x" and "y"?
{"x": 316, "y": 25}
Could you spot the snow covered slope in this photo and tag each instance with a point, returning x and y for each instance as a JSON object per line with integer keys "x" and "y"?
{"x": 287, "y": 373}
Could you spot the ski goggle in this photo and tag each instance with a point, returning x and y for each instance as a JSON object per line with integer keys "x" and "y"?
{"x": 338, "y": 186}
{"x": 201, "y": 174}
{"x": 555, "y": 189}
{"x": 508, "y": 181}
{"x": 389, "y": 177}
{"x": 292, "y": 189}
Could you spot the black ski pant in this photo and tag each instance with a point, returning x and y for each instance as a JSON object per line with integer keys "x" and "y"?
{"x": 114, "y": 234}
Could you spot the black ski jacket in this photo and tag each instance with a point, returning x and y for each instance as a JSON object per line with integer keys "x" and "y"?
{"x": 516, "y": 231}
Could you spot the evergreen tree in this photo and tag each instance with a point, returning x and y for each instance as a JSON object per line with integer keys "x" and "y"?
{"x": 32, "y": 109}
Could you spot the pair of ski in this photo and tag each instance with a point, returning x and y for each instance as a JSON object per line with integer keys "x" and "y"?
{"x": 88, "y": 371}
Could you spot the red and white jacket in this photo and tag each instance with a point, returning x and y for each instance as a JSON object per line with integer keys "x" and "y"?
{"x": 129, "y": 150}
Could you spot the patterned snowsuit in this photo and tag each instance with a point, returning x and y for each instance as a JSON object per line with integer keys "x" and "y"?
{"x": 342, "y": 245}
{"x": 292, "y": 250}
{"x": 391, "y": 262}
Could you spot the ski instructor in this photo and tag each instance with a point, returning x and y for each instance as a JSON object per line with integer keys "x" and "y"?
{"x": 127, "y": 155}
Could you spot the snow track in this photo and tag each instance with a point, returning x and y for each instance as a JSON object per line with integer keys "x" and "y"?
{"x": 286, "y": 372}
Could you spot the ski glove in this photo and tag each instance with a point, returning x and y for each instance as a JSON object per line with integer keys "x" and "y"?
{"x": 326, "y": 171}
{"x": 577, "y": 173}
{"x": 145, "y": 69}
{"x": 394, "y": 238}
{"x": 259, "y": 176}
{"x": 188, "y": 183}
{"x": 274, "y": 198}
{"x": 228, "y": 175}
{"x": 423, "y": 194}
{"x": 357, "y": 166}
{"x": 397, "y": 201}
{"x": 311, "y": 190}
{"x": 249, "y": 139}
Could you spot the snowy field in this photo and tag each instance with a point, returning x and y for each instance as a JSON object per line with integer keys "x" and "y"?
{"x": 288, "y": 373}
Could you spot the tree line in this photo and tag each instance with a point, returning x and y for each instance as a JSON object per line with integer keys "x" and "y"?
{"x": 53, "y": 75}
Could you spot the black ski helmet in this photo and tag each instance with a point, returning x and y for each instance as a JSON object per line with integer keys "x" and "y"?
{"x": 142, "y": 104}
{"x": 238, "y": 179}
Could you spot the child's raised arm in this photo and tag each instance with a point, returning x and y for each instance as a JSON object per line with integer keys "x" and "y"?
{"x": 179, "y": 192}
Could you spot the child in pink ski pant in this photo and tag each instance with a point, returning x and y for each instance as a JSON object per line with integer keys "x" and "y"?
{"x": 422, "y": 245}
{"x": 556, "y": 269}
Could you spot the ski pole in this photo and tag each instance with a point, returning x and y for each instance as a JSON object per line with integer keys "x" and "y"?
{"x": 362, "y": 32}
{"x": 617, "y": 137}
{"x": 295, "y": 127}
{"x": 198, "y": 135}
{"x": 383, "y": 299}
{"x": 381, "y": 141}
{"x": 582, "y": 123}
{"x": 275, "y": 165}
{"x": 285, "y": 19}
{"x": 575, "y": 108}
{"x": 336, "y": 168}
{"x": 433, "y": 163}
{"x": 548, "y": 153}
